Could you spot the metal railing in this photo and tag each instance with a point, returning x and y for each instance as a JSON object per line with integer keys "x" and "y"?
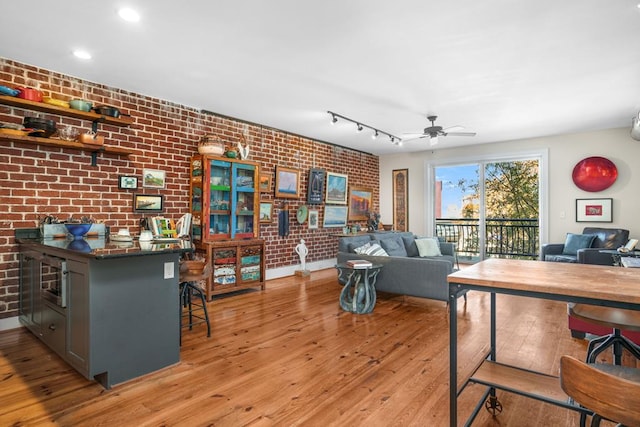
{"x": 504, "y": 237}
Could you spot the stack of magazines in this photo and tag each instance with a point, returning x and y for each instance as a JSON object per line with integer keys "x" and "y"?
{"x": 359, "y": 263}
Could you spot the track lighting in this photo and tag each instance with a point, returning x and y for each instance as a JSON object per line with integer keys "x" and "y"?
{"x": 360, "y": 127}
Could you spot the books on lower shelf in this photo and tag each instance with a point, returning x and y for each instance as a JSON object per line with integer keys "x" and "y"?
{"x": 359, "y": 263}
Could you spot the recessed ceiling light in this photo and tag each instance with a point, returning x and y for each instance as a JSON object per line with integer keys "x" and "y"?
{"x": 129, "y": 15}
{"x": 82, "y": 54}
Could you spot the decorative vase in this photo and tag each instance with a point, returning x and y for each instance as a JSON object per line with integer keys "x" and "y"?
{"x": 211, "y": 145}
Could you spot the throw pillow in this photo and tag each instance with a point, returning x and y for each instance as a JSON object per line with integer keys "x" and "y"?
{"x": 410, "y": 246}
{"x": 394, "y": 246}
{"x": 577, "y": 241}
{"x": 371, "y": 248}
{"x": 428, "y": 246}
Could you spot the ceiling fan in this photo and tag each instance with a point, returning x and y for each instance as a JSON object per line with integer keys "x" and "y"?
{"x": 433, "y": 132}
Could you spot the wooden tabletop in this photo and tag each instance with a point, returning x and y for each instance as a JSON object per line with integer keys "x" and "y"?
{"x": 556, "y": 278}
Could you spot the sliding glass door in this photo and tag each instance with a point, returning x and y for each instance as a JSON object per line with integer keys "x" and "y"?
{"x": 488, "y": 208}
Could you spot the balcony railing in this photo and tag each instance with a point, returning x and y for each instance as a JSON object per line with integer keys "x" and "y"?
{"x": 504, "y": 237}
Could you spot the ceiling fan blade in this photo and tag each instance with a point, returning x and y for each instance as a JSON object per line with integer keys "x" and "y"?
{"x": 416, "y": 136}
{"x": 460, "y": 134}
{"x": 453, "y": 129}
{"x": 410, "y": 134}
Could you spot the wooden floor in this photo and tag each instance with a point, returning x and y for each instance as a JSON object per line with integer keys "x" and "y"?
{"x": 290, "y": 356}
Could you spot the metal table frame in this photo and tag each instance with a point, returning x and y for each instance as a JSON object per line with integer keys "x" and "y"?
{"x": 492, "y": 404}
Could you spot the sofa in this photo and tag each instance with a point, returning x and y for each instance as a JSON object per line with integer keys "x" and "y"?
{"x": 602, "y": 238}
{"x": 404, "y": 271}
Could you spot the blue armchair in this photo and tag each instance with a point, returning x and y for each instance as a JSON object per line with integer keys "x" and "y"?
{"x": 605, "y": 238}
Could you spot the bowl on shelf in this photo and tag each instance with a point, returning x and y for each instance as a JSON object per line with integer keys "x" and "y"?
{"x": 80, "y": 104}
{"x": 57, "y": 102}
{"x": 77, "y": 230}
{"x": 68, "y": 133}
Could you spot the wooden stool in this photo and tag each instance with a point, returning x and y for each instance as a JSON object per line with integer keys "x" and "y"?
{"x": 189, "y": 290}
{"x": 611, "y": 392}
{"x": 616, "y": 318}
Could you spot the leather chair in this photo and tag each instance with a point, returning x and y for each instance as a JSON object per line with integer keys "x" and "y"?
{"x": 606, "y": 238}
{"x": 611, "y": 392}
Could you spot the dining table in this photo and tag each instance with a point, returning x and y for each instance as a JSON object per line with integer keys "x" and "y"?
{"x": 581, "y": 283}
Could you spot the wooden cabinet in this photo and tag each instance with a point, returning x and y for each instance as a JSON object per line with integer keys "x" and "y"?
{"x": 68, "y": 112}
{"x": 224, "y": 199}
{"x": 237, "y": 264}
{"x": 224, "y": 202}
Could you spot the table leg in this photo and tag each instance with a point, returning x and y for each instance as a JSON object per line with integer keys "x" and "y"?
{"x": 453, "y": 356}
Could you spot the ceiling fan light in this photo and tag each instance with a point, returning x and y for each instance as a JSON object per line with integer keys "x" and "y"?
{"x": 433, "y": 140}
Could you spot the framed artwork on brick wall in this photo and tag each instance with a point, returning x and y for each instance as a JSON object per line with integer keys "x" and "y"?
{"x": 287, "y": 182}
{"x": 360, "y": 203}
{"x": 336, "y": 188}
{"x": 315, "y": 191}
{"x": 400, "y": 199}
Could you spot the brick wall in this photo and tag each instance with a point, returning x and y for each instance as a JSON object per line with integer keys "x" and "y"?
{"x": 39, "y": 180}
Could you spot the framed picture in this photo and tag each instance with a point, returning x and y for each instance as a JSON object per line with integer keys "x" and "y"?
{"x": 266, "y": 212}
{"x": 287, "y": 182}
{"x": 146, "y": 203}
{"x": 127, "y": 182}
{"x": 360, "y": 203}
{"x": 400, "y": 187}
{"x": 335, "y": 216}
{"x": 314, "y": 217}
{"x": 265, "y": 182}
{"x": 336, "y": 188}
{"x": 315, "y": 191}
{"x": 153, "y": 178}
{"x": 594, "y": 210}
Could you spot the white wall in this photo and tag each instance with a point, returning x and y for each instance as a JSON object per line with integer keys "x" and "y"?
{"x": 564, "y": 152}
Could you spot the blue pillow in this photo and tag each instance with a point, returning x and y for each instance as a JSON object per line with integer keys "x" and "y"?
{"x": 577, "y": 241}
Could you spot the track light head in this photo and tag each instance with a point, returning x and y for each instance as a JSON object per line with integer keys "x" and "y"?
{"x": 359, "y": 127}
{"x": 374, "y": 135}
{"x": 334, "y": 119}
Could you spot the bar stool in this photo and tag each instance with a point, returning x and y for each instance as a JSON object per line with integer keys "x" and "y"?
{"x": 616, "y": 318}
{"x": 611, "y": 392}
{"x": 189, "y": 290}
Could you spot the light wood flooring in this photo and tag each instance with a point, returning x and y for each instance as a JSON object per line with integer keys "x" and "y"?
{"x": 290, "y": 356}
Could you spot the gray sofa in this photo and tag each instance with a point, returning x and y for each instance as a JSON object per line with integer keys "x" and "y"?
{"x": 405, "y": 275}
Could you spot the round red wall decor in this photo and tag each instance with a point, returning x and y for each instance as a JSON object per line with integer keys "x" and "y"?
{"x": 594, "y": 174}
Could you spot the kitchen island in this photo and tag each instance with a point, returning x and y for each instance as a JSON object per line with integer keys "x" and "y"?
{"x": 109, "y": 309}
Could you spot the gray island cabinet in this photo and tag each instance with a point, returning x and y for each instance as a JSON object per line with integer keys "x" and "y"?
{"x": 111, "y": 312}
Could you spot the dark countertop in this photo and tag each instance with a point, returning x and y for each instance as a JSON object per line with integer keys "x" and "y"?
{"x": 104, "y": 248}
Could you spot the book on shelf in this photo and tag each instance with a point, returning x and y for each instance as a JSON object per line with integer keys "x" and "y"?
{"x": 359, "y": 263}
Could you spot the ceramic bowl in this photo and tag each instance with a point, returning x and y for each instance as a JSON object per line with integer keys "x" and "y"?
{"x": 80, "y": 104}
{"x": 77, "y": 230}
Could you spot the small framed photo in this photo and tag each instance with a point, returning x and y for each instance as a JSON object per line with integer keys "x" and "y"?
{"x": 127, "y": 182}
{"x": 287, "y": 182}
{"x": 360, "y": 203}
{"x": 265, "y": 182}
{"x": 153, "y": 178}
{"x": 594, "y": 210}
{"x": 335, "y": 216}
{"x": 266, "y": 212}
{"x": 336, "y": 188}
{"x": 314, "y": 217}
{"x": 147, "y": 203}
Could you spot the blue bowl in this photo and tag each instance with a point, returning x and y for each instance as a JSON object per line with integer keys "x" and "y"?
{"x": 78, "y": 230}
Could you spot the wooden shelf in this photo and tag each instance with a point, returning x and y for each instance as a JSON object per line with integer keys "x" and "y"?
{"x": 50, "y": 142}
{"x": 63, "y": 111}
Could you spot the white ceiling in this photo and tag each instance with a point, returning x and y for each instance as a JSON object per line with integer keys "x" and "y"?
{"x": 504, "y": 69}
